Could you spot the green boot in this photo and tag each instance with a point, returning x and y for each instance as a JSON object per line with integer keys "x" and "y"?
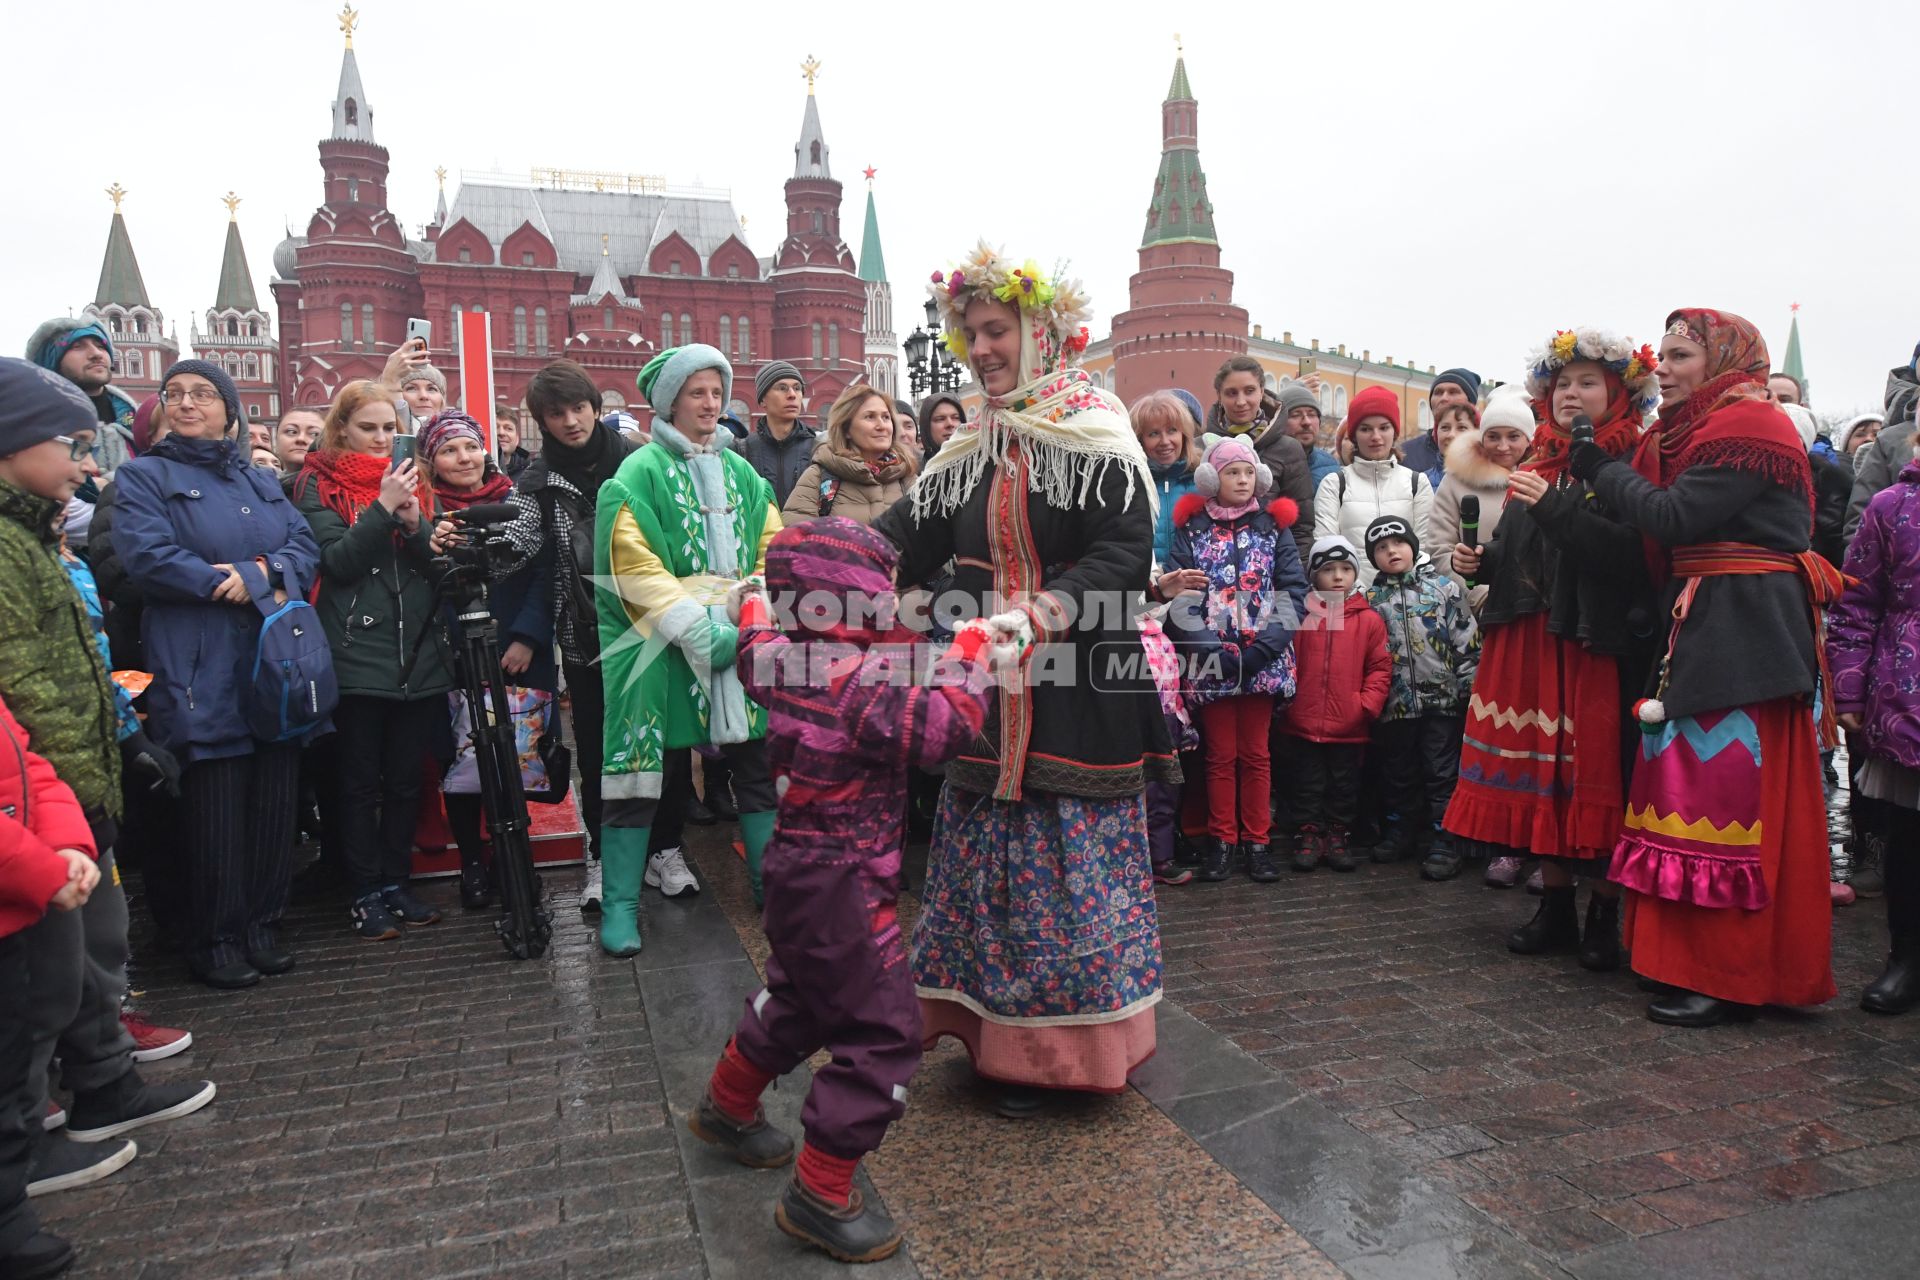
{"x": 623, "y": 864}
{"x": 755, "y": 830}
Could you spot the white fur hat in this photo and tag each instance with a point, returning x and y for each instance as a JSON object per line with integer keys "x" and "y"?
{"x": 1803, "y": 423}
{"x": 1509, "y": 406}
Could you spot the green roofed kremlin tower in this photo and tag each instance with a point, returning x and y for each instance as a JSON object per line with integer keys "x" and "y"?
{"x": 142, "y": 348}
{"x": 239, "y": 334}
{"x": 1181, "y": 321}
{"x": 883, "y": 349}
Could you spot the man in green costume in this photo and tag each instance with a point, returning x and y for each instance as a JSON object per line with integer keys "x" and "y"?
{"x": 682, "y": 521}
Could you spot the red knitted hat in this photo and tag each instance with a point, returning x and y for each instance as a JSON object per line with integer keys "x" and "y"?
{"x": 1369, "y": 402}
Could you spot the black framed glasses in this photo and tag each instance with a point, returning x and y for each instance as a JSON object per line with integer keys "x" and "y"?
{"x": 77, "y": 450}
{"x": 177, "y": 396}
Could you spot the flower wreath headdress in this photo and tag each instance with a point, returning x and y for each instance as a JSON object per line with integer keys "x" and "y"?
{"x": 1633, "y": 365}
{"x": 1060, "y": 305}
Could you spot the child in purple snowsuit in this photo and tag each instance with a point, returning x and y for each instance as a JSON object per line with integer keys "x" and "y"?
{"x": 845, "y": 725}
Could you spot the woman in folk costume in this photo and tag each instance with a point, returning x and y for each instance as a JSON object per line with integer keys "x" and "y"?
{"x": 1568, "y": 625}
{"x": 1724, "y": 848}
{"x": 682, "y": 520}
{"x": 1038, "y": 945}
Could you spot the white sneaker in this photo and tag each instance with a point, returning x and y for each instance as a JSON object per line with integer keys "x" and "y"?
{"x": 590, "y": 894}
{"x": 668, "y": 872}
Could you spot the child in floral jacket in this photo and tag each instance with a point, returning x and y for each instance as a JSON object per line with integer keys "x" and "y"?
{"x": 1242, "y": 631}
{"x": 1435, "y": 645}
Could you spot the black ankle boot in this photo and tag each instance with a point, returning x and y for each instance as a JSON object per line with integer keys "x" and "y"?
{"x": 1600, "y": 940}
{"x": 1692, "y": 1009}
{"x": 1262, "y": 866}
{"x": 1217, "y": 862}
{"x": 1554, "y": 927}
{"x": 1336, "y": 850}
{"x": 1897, "y": 989}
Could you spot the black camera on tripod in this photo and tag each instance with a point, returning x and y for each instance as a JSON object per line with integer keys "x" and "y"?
{"x": 467, "y": 564}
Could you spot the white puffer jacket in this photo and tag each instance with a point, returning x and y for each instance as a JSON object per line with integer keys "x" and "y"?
{"x": 1361, "y": 492}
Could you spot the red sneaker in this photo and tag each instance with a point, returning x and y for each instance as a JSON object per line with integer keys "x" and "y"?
{"x": 151, "y": 1043}
{"x": 1841, "y": 894}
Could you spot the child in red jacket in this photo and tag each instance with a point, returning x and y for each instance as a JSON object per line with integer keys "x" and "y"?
{"x": 1344, "y": 678}
{"x": 46, "y": 863}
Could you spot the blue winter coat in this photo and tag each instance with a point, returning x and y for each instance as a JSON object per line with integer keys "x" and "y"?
{"x": 1323, "y": 465}
{"x": 1174, "y": 480}
{"x": 521, "y": 605}
{"x": 179, "y": 509}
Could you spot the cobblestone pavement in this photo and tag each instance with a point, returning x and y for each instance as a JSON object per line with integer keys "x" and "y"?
{"x": 1536, "y": 1090}
{"x": 424, "y": 1108}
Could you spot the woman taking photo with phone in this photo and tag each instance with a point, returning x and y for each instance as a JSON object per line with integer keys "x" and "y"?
{"x": 376, "y": 602}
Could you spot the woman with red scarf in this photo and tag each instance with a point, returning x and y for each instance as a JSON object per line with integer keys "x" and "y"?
{"x": 1724, "y": 847}
{"x": 1566, "y": 626}
{"x": 375, "y": 599}
{"x": 465, "y": 474}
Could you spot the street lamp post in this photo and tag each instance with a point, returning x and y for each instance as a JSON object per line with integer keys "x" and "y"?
{"x": 930, "y": 366}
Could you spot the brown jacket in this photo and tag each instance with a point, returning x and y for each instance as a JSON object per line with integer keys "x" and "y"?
{"x": 858, "y": 492}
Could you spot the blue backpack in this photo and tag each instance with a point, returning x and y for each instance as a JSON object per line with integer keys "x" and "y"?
{"x": 294, "y": 687}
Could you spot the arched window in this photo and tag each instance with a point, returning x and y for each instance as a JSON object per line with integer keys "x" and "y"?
{"x": 1269, "y": 382}
{"x": 366, "y": 325}
{"x": 726, "y": 333}
{"x": 353, "y": 190}
{"x": 741, "y": 347}
{"x": 136, "y": 364}
{"x": 1326, "y": 398}
{"x": 519, "y": 331}
{"x": 833, "y": 342}
{"x": 1339, "y": 402}
{"x": 540, "y": 330}
{"x": 346, "y": 324}
{"x": 232, "y": 363}
{"x": 250, "y": 367}
{"x": 607, "y": 316}
{"x": 253, "y": 328}
{"x": 815, "y": 147}
{"x": 686, "y": 329}
{"x": 456, "y": 318}
{"x": 353, "y": 112}
{"x": 666, "y": 332}
{"x": 1426, "y": 416}
{"x": 816, "y": 339}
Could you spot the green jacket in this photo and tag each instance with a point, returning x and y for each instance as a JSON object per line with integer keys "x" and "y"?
{"x": 662, "y": 652}
{"x": 51, "y": 675}
{"x": 376, "y": 602}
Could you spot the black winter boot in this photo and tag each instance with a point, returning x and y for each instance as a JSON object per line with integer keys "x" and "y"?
{"x": 1216, "y": 863}
{"x": 1397, "y": 844}
{"x": 1309, "y": 847}
{"x": 1897, "y": 989}
{"x": 857, "y": 1232}
{"x": 1554, "y": 927}
{"x": 1600, "y": 940}
{"x": 476, "y": 884}
{"x": 1333, "y": 843}
{"x": 1262, "y": 866}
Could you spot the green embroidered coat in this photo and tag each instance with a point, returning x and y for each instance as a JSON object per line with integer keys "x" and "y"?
{"x": 657, "y": 596}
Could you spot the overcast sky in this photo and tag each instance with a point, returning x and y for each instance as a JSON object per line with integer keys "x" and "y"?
{"x": 1442, "y": 183}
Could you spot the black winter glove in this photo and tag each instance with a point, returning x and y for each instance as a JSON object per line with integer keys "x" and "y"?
{"x": 141, "y": 756}
{"x": 1586, "y": 460}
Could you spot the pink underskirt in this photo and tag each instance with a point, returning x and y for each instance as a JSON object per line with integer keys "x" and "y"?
{"x": 1093, "y": 1057}
{"x": 1697, "y": 879}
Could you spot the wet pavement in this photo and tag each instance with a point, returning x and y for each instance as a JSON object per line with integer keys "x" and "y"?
{"x": 1354, "y": 1077}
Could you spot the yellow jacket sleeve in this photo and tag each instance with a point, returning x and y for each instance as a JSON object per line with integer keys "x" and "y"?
{"x": 767, "y": 532}
{"x": 654, "y": 599}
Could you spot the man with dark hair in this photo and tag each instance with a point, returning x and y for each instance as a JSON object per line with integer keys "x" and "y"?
{"x": 81, "y": 352}
{"x": 556, "y": 496}
{"x": 780, "y": 445}
{"x": 1786, "y": 388}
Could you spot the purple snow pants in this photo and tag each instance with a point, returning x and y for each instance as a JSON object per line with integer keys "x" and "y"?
{"x": 838, "y": 979}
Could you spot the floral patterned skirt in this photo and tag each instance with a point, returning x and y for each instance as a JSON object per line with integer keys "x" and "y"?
{"x": 1038, "y": 945}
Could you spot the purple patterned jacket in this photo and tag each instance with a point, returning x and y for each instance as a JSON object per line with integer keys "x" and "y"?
{"x": 1873, "y": 633}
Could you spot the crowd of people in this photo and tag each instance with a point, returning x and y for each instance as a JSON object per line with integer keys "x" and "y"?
{"x": 1602, "y": 621}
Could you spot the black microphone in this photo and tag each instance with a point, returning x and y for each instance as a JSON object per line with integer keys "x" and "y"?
{"x": 487, "y": 513}
{"x": 1470, "y": 523}
{"x": 1582, "y": 429}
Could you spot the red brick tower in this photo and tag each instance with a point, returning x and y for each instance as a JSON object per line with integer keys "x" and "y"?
{"x": 820, "y": 302}
{"x": 345, "y": 290}
{"x": 239, "y": 336}
{"x": 1181, "y": 321}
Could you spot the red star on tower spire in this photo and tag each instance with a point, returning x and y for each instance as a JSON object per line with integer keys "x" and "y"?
{"x": 1791, "y": 307}
{"x": 870, "y": 171}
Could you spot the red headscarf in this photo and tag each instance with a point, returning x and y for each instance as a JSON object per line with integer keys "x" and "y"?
{"x": 1616, "y": 430}
{"x": 1737, "y": 366}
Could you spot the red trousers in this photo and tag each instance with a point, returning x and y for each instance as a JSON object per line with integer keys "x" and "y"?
{"x": 1233, "y": 733}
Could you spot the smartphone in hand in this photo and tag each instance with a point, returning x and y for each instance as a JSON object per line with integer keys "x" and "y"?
{"x": 423, "y": 330}
{"x": 403, "y": 450}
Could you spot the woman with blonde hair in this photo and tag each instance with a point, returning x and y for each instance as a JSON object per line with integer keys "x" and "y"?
{"x": 1166, "y": 431}
{"x": 858, "y": 471}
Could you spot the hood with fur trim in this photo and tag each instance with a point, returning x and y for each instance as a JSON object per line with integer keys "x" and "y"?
{"x": 1473, "y": 467}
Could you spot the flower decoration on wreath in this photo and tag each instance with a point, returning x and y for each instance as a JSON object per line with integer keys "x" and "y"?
{"x": 1634, "y": 365}
{"x": 1057, "y": 307}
